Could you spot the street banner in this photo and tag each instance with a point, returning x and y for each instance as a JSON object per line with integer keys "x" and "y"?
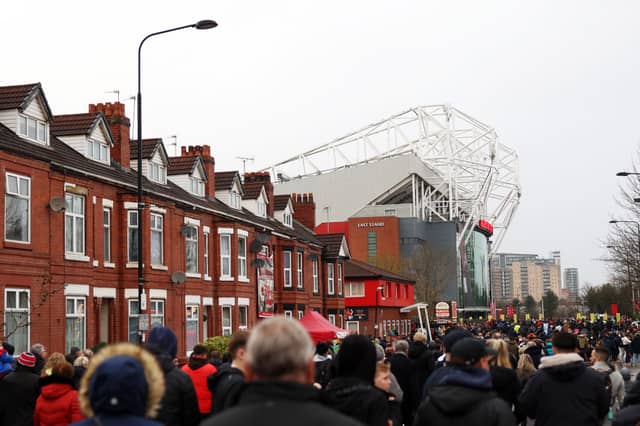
{"x": 592, "y": 317}
{"x": 618, "y": 316}
{"x": 605, "y": 317}
{"x": 614, "y": 308}
{"x": 490, "y": 317}
{"x": 540, "y": 317}
{"x": 265, "y": 284}
{"x": 510, "y": 311}
{"x": 454, "y": 310}
{"x": 501, "y": 317}
{"x": 515, "y": 317}
{"x": 578, "y": 316}
{"x": 527, "y": 317}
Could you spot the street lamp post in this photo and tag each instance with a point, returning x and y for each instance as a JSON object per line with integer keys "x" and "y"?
{"x": 375, "y": 325}
{"x": 613, "y": 221}
{"x": 200, "y": 25}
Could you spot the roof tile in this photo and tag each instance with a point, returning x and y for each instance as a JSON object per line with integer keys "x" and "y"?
{"x": 73, "y": 124}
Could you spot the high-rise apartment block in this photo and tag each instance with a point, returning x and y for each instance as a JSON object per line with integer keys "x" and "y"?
{"x": 516, "y": 275}
{"x": 571, "y": 282}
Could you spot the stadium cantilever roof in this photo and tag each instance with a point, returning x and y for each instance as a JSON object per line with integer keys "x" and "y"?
{"x": 440, "y": 162}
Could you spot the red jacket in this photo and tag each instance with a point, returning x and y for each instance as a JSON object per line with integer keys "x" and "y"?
{"x": 57, "y": 404}
{"x": 199, "y": 370}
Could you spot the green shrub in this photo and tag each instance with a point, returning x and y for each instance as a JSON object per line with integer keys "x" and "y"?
{"x": 217, "y": 343}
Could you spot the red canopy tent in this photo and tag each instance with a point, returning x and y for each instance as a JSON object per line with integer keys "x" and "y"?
{"x": 320, "y": 329}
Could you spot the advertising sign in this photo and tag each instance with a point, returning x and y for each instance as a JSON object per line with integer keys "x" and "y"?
{"x": 442, "y": 310}
{"x": 454, "y": 310}
{"x": 265, "y": 284}
{"x": 356, "y": 314}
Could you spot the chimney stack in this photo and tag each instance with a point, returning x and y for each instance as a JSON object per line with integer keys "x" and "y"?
{"x": 265, "y": 179}
{"x": 304, "y": 209}
{"x": 119, "y": 125}
{"x": 209, "y": 162}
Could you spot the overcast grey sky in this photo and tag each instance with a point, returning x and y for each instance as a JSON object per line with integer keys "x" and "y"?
{"x": 557, "y": 79}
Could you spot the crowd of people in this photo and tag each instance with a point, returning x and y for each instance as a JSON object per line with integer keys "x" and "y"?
{"x": 481, "y": 373}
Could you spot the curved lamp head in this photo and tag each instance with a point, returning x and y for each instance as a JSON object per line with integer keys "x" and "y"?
{"x": 205, "y": 24}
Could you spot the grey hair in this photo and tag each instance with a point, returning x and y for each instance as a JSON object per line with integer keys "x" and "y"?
{"x": 379, "y": 353}
{"x": 37, "y": 348}
{"x": 402, "y": 346}
{"x": 277, "y": 347}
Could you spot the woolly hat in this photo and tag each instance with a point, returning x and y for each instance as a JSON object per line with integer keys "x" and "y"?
{"x": 26, "y": 359}
{"x": 453, "y": 336}
{"x": 165, "y": 339}
{"x": 357, "y": 358}
{"x": 118, "y": 386}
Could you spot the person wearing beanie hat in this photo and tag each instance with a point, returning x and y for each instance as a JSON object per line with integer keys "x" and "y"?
{"x": 179, "y": 405}
{"x": 19, "y": 392}
{"x": 351, "y": 391}
{"x": 463, "y": 395}
{"x": 122, "y": 386}
{"x": 199, "y": 369}
{"x": 58, "y": 400}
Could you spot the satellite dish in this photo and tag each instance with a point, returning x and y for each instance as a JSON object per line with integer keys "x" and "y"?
{"x": 178, "y": 277}
{"x": 58, "y": 204}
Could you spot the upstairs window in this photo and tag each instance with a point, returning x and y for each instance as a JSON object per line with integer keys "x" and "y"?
{"x": 33, "y": 129}
{"x": 191, "y": 245}
{"x": 235, "y": 199}
{"x": 156, "y": 239}
{"x": 98, "y": 151}
{"x": 262, "y": 208}
{"x": 242, "y": 257}
{"x": 74, "y": 224}
{"x": 287, "y": 268}
{"x": 330, "y": 279}
{"x": 132, "y": 236}
{"x": 287, "y": 219}
{"x": 197, "y": 186}
{"x": 300, "y": 272}
{"x": 17, "y": 208}
{"x": 158, "y": 173}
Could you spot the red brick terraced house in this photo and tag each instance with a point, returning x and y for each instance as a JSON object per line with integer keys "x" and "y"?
{"x": 218, "y": 253}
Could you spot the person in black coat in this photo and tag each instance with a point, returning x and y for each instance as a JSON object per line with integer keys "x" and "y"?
{"x": 461, "y": 394}
{"x": 351, "y": 390}
{"x": 19, "y": 391}
{"x": 230, "y": 374}
{"x": 635, "y": 350}
{"x": 279, "y": 389}
{"x": 564, "y": 391}
{"x": 422, "y": 358}
{"x": 179, "y": 405}
{"x": 403, "y": 368}
{"x": 629, "y": 415}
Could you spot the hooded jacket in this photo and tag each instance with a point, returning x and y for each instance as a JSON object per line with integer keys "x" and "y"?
{"x": 57, "y": 404}
{"x": 199, "y": 370}
{"x": 565, "y": 391}
{"x": 179, "y": 405}
{"x": 278, "y": 403}
{"x": 221, "y": 385}
{"x": 19, "y": 392}
{"x": 357, "y": 399}
{"x": 463, "y": 396}
{"x": 123, "y": 386}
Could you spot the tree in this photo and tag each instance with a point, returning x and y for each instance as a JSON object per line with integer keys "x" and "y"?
{"x": 531, "y": 306}
{"x": 551, "y": 303}
{"x": 600, "y": 299}
{"x": 516, "y": 305}
{"x": 431, "y": 270}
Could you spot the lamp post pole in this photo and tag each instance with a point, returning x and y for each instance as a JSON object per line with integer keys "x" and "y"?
{"x": 613, "y": 221}
{"x": 201, "y": 25}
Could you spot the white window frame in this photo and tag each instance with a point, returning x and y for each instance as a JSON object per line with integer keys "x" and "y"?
{"x": 332, "y": 319}
{"x": 331, "y": 290}
{"x": 356, "y": 328}
{"x": 106, "y": 234}
{"x": 262, "y": 208}
{"x": 102, "y": 150}
{"x": 133, "y": 314}
{"x": 226, "y": 330}
{"x": 197, "y": 186}
{"x": 38, "y": 124}
{"x": 206, "y": 255}
{"x": 154, "y": 228}
{"x": 339, "y": 273}
{"x": 190, "y": 239}
{"x": 19, "y": 196}
{"x": 75, "y": 314}
{"x": 157, "y": 315}
{"x": 75, "y": 250}
{"x": 316, "y": 283}
{"x": 242, "y": 258}
{"x": 350, "y": 287}
{"x": 192, "y": 317}
{"x": 234, "y": 198}
{"x": 225, "y": 258}
{"x": 299, "y": 265}
{"x": 130, "y": 235}
{"x": 17, "y": 309}
{"x": 286, "y": 271}
{"x": 300, "y": 314}
{"x": 157, "y": 172}
{"x": 243, "y": 325}
{"x": 287, "y": 219}
{"x": 288, "y": 314}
